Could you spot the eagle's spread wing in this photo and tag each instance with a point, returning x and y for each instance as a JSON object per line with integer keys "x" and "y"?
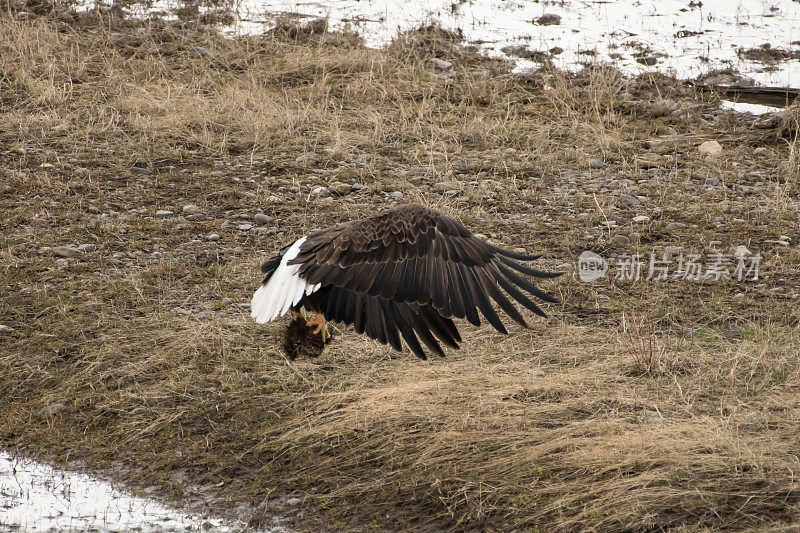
{"x": 410, "y": 271}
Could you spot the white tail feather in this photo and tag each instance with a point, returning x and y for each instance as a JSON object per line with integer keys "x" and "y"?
{"x": 284, "y": 289}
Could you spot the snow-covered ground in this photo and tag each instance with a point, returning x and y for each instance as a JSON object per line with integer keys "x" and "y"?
{"x": 36, "y": 497}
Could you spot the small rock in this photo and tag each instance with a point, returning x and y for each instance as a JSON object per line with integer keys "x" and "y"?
{"x": 768, "y": 120}
{"x": 227, "y": 224}
{"x": 712, "y": 181}
{"x": 339, "y": 188}
{"x": 213, "y": 237}
{"x": 190, "y": 209}
{"x": 357, "y": 187}
{"x": 4, "y": 330}
{"x": 628, "y": 199}
{"x": 292, "y": 502}
{"x": 620, "y": 241}
{"x": 87, "y": 248}
{"x": 397, "y": 195}
{"x": 762, "y": 151}
{"x": 93, "y": 210}
{"x": 596, "y": 163}
{"x": 441, "y": 64}
{"x": 245, "y": 227}
{"x": 548, "y": 19}
{"x": 320, "y": 192}
{"x": 261, "y": 218}
{"x": 641, "y": 219}
{"x": 675, "y": 225}
{"x": 47, "y": 166}
{"x": 65, "y": 251}
{"x": 164, "y": 213}
{"x": 140, "y": 171}
{"x": 52, "y": 410}
{"x": 741, "y": 251}
{"x": 710, "y": 148}
{"x": 647, "y": 61}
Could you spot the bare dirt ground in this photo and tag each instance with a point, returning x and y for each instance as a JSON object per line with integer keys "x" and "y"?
{"x": 148, "y": 168}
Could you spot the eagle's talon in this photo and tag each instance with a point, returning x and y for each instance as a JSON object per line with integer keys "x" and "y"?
{"x": 321, "y": 327}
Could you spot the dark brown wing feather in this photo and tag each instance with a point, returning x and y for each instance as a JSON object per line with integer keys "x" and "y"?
{"x": 409, "y": 271}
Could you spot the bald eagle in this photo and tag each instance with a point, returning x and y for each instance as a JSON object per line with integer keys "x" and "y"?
{"x": 406, "y": 272}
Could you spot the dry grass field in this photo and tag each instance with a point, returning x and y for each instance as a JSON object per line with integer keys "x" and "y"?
{"x": 637, "y": 405}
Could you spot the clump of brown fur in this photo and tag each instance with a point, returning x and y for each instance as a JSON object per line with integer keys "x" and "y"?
{"x": 300, "y": 340}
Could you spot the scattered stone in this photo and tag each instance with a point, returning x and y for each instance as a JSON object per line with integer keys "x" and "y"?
{"x": 52, "y": 410}
{"x": 140, "y": 171}
{"x": 647, "y": 61}
{"x": 548, "y": 19}
{"x": 620, "y": 241}
{"x": 524, "y": 52}
{"x": 292, "y": 502}
{"x": 596, "y": 163}
{"x": 47, "y": 166}
{"x": 227, "y": 224}
{"x": 182, "y": 311}
{"x": 164, "y": 213}
{"x": 742, "y": 251}
{"x": 65, "y": 251}
{"x": 199, "y": 52}
{"x": 768, "y": 121}
{"x": 762, "y": 151}
{"x": 213, "y": 237}
{"x": 245, "y": 227}
{"x": 556, "y": 50}
{"x": 609, "y": 224}
{"x": 339, "y": 188}
{"x": 710, "y": 148}
{"x": 728, "y": 78}
{"x": 641, "y": 219}
{"x": 443, "y": 69}
{"x": 87, "y": 248}
{"x": 648, "y": 162}
{"x": 357, "y": 187}
{"x": 4, "y": 330}
{"x": 94, "y": 210}
{"x": 320, "y": 192}
{"x": 712, "y": 181}
{"x": 397, "y": 195}
{"x": 190, "y": 209}
{"x": 672, "y": 226}
{"x": 261, "y": 218}
{"x": 629, "y": 200}
{"x": 441, "y": 64}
